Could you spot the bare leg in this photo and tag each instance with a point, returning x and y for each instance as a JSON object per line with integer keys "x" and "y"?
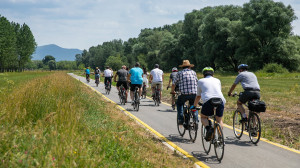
{"x": 204, "y": 120}
{"x": 220, "y": 121}
{"x": 241, "y": 108}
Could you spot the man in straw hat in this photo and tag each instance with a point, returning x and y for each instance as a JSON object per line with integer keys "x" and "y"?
{"x": 187, "y": 82}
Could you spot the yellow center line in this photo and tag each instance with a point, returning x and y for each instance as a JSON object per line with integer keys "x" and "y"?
{"x": 163, "y": 138}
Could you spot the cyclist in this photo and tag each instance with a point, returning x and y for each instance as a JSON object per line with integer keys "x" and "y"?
{"x": 97, "y": 74}
{"x": 172, "y": 78}
{"x": 87, "y": 73}
{"x": 250, "y": 85}
{"x": 145, "y": 77}
{"x": 108, "y": 75}
{"x": 187, "y": 82}
{"x": 208, "y": 88}
{"x": 135, "y": 76}
{"x": 122, "y": 73}
{"x": 156, "y": 78}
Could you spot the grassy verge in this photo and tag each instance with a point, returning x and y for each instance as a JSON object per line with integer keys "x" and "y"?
{"x": 55, "y": 121}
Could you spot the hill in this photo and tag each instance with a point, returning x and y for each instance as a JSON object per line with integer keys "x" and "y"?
{"x": 60, "y": 54}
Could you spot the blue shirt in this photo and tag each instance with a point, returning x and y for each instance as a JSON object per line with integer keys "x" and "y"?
{"x": 87, "y": 71}
{"x": 136, "y": 75}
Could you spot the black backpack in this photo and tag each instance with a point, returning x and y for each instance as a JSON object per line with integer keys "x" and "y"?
{"x": 257, "y": 105}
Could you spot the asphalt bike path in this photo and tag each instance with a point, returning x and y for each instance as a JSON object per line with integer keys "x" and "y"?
{"x": 238, "y": 153}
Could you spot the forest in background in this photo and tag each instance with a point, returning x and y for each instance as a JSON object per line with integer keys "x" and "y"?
{"x": 259, "y": 33}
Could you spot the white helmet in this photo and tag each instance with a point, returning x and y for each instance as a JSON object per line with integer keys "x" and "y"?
{"x": 174, "y": 69}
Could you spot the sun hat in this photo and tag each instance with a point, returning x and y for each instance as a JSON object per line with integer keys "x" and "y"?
{"x": 186, "y": 63}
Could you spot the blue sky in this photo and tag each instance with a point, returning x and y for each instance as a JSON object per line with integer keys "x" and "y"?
{"x": 85, "y": 23}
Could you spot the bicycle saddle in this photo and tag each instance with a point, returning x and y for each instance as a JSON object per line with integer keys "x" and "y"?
{"x": 216, "y": 101}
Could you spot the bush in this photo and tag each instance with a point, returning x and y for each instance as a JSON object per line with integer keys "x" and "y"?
{"x": 274, "y": 68}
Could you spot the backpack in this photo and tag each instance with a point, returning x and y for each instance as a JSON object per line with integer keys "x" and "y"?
{"x": 257, "y": 105}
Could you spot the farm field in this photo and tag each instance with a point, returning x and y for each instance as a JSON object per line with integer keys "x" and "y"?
{"x": 52, "y": 120}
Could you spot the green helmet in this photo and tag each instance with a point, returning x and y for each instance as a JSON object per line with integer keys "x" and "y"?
{"x": 208, "y": 71}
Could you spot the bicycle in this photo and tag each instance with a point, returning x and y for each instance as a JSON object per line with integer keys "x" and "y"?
{"x": 97, "y": 80}
{"x": 252, "y": 125}
{"x": 175, "y": 97}
{"x": 122, "y": 95}
{"x": 144, "y": 92}
{"x": 136, "y": 99}
{"x": 87, "y": 78}
{"x": 107, "y": 87}
{"x": 217, "y": 138}
{"x": 189, "y": 123}
{"x": 156, "y": 96}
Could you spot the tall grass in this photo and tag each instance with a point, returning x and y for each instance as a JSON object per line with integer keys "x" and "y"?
{"x": 55, "y": 121}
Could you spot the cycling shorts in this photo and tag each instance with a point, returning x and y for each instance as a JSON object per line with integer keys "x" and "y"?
{"x": 153, "y": 85}
{"x": 249, "y": 95}
{"x": 208, "y": 109}
{"x": 124, "y": 83}
{"x": 87, "y": 75}
{"x": 132, "y": 86}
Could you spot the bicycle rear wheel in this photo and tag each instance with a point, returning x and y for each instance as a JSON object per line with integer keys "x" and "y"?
{"x": 180, "y": 128}
{"x": 238, "y": 127}
{"x": 254, "y": 128}
{"x": 137, "y": 101}
{"x": 219, "y": 142}
{"x": 206, "y": 144}
{"x": 193, "y": 128}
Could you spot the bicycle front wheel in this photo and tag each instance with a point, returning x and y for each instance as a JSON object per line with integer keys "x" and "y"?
{"x": 238, "y": 127}
{"x": 254, "y": 128}
{"x": 193, "y": 128}
{"x": 206, "y": 144}
{"x": 219, "y": 143}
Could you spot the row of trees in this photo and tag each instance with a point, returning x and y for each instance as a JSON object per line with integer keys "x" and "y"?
{"x": 17, "y": 44}
{"x": 222, "y": 37}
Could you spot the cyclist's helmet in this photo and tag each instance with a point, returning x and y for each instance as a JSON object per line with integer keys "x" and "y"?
{"x": 243, "y": 66}
{"x": 208, "y": 71}
{"x": 174, "y": 69}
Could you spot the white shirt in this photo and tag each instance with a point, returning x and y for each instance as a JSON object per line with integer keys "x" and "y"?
{"x": 157, "y": 75}
{"x": 210, "y": 87}
{"x": 108, "y": 73}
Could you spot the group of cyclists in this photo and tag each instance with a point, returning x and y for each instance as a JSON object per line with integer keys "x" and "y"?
{"x": 186, "y": 83}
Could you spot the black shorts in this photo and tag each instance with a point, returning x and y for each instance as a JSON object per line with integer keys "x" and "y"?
{"x": 124, "y": 83}
{"x": 87, "y": 75}
{"x": 249, "y": 95}
{"x": 208, "y": 109}
{"x": 132, "y": 86}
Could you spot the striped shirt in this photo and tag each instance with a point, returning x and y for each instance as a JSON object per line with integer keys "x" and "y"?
{"x": 187, "y": 81}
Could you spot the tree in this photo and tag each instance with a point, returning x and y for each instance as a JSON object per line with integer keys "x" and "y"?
{"x": 52, "y": 65}
{"x": 25, "y": 44}
{"x": 266, "y": 28}
{"x": 48, "y": 58}
{"x": 8, "y": 54}
{"x": 115, "y": 62}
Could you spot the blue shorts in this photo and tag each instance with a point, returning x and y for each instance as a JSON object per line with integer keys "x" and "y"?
{"x": 208, "y": 109}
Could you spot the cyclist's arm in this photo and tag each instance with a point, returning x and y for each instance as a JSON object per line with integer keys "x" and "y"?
{"x": 231, "y": 89}
{"x": 150, "y": 78}
{"x": 115, "y": 77}
{"x": 128, "y": 77}
{"x": 197, "y": 99}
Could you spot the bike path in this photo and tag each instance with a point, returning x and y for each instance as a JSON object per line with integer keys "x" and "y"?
{"x": 238, "y": 153}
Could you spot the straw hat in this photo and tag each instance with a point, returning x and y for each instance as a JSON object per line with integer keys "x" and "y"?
{"x": 186, "y": 63}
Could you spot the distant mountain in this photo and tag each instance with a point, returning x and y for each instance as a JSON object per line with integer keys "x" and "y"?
{"x": 60, "y": 54}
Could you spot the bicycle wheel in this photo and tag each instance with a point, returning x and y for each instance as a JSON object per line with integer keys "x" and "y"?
{"x": 238, "y": 127}
{"x": 219, "y": 142}
{"x": 206, "y": 144}
{"x": 180, "y": 128}
{"x": 254, "y": 128}
{"x": 137, "y": 101}
{"x": 193, "y": 128}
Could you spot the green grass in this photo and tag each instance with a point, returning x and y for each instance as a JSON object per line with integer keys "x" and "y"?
{"x": 55, "y": 121}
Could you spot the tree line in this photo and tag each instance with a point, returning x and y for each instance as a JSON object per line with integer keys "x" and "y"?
{"x": 17, "y": 44}
{"x": 257, "y": 33}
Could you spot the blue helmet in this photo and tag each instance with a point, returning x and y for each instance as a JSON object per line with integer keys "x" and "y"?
{"x": 243, "y": 66}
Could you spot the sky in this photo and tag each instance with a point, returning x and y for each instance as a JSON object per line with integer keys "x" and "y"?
{"x": 82, "y": 24}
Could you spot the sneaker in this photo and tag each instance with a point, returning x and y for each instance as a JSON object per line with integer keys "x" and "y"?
{"x": 209, "y": 133}
{"x": 132, "y": 103}
{"x": 243, "y": 120}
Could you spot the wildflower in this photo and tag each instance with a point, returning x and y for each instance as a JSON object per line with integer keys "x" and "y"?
{"x": 53, "y": 158}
